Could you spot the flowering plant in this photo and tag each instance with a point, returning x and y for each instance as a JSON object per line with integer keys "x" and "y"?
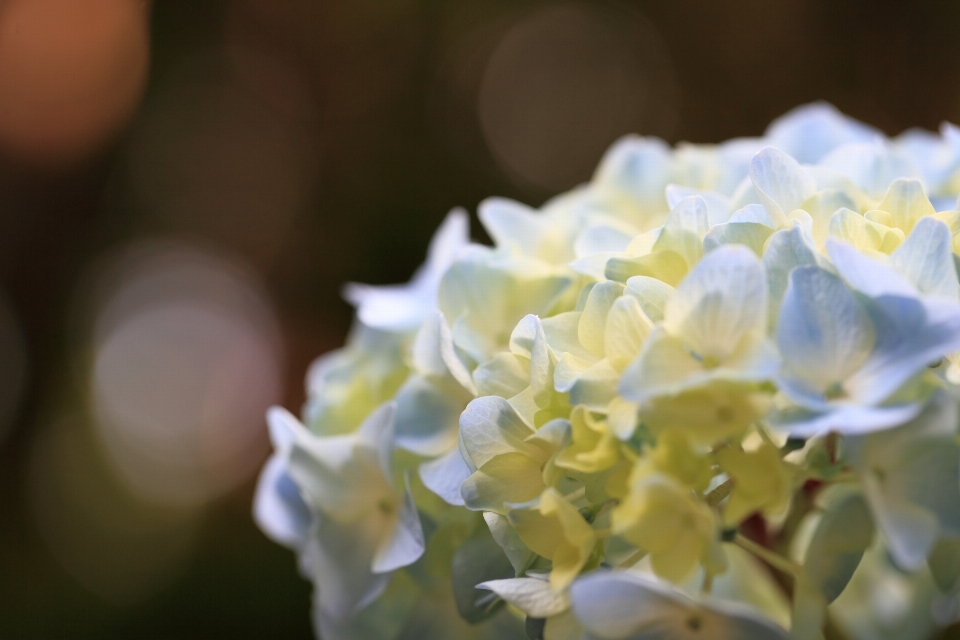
{"x": 710, "y": 394}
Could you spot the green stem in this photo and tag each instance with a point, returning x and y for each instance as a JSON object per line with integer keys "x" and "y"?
{"x": 632, "y": 560}
{"x": 716, "y": 496}
{"x": 765, "y": 435}
{"x": 707, "y": 586}
{"x": 775, "y": 560}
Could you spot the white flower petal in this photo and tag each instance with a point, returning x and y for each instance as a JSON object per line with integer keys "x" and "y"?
{"x": 652, "y": 294}
{"x": 753, "y": 213}
{"x": 428, "y": 412}
{"x": 339, "y": 558}
{"x": 518, "y": 553}
{"x": 444, "y": 476}
{"x": 868, "y": 275}
{"x": 911, "y": 335}
{"x": 810, "y": 131}
{"x": 489, "y": 426}
{"x": 872, "y": 166}
{"x": 718, "y": 205}
{"x": 534, "y": 597}
{"x": 723, "y": 298}
{"x": 618, "y": 605}
{"x": 782, "y": 184}
{"x": 593, "y": 320}
{"x": 824, "y": 335}
{"x": 926, "y": 259}
{"x": 403, "y": 307}
{"x": 405, "y": 544}
{"x": 602, "y": 238}
{"x": 278, "y": 508}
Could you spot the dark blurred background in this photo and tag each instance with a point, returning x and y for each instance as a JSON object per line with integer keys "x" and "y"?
{"x": 185, "y": 185}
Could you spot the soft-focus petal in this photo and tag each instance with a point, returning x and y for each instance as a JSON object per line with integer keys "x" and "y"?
{"x": 403, "y": 307}
{"x": 405, "y": 544}
{"x": 723, "y": 298}
{"x": 490, "y": 427}
{"x": 782, "y": 184}
{"x": 534, "y": 597}
{"x": 444, "y": 476}
{"x": 278, "y": 508}
{"x": 616, "y": 605}
{"x": 926, "y": 259}
{"x": 810, "y": 131}
{"x": 824, "y": 335}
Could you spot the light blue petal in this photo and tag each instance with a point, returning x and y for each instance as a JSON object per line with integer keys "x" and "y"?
{"x": 485, "y": 294}
{"x": 562, "y": 333}
{"x": 524, "y": 334}
{"x": 595, "y": 265}
{"x": 377, "y": 433}
{"x": 428, "y": 413}
{"x": 425, "y": 352}
{"x": 490, "y": 426}
{"x": 684, "y": 229}
{"x": 512, "y": 226}
{"x": 382, "y": 619}
{"x": 867, "y": 275}
{"x": 749, "y": 234}
{"x": 444, "y": 476}
{"x": 595, "y": 387}
{"x": 782, "y": 184}
{"x": 912, "y": 473}
{"x": 637, "y": 169}
{"x": 403, "y": 307}
{"x": 845, "y": 530}
{"x": 283, "y": 428}
{"x": 926, "y": 259}
{"x": 405, "y": 544}
{"x": 909, "y": 531}
{"x": 872, "y": 166}
{"x": 664, "y": 367}
{"x": 278, "y": 508}
{"x": 504, "y": 375}
{"x": 722, "y": 299}
{"x": 590, "y": 329}
{"x": 786, "y": 250}
{"x": 752, "y": 213}
{"x": 532, "y": 596}
{"x": 339, "y": 558}
{"x": 911, "y": 335}
{"x": 618, "y": 605}
{"x": 845, "y": 419}
{"x": 434, "y": 354}
{"x": 718, "y": 205}
{"x": 811, "y": 131}
{"x": 652, "y": 294}
{"x": 602, "y": 238}
{"x": 823, "y": 334}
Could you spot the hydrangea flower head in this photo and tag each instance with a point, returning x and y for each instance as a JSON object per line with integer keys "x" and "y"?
{"x": 713, "y": 393}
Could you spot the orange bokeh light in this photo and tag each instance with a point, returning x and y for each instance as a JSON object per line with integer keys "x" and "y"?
{"x": 71, "y": 75}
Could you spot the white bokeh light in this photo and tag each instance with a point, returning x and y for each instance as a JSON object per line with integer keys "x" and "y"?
{"x": 565, "y": 82}
{"x": 186, "y": 361}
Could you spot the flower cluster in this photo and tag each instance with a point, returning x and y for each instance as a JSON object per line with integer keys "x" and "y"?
{"x": 710, "y": 394}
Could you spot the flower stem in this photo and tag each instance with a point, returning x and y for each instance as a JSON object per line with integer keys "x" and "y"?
{"x": 775, "y": 560}
{"x": 632, "y": 560}
{"x": 707, "y": 586}
{"x": 716, "y": 496}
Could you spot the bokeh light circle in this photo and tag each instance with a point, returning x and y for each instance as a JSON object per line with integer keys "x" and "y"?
{"x": 186, "y": 360}
{"x": 564, "y": 83}
{"x": 71, "y": 75}
{"x": 115, "y": 545}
